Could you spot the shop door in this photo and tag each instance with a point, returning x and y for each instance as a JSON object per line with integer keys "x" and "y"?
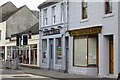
{"x": 111, "y": 56}
{"x": 51, "y": 54}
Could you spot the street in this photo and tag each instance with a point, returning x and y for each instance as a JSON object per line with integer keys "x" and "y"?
{"x": 9, "y": 74}
{"x": 18, "y": 75}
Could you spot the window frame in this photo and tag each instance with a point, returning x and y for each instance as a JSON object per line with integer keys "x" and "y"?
{"x": 45, "y": 18}
{"x": 108, "y": 6}
{"x": 84, "y": 9}
{"x": 54, "y": 14}
{"x": 86, "y": 36}
{"x": 62, "y": 12}
{"x": 0, "y": 34}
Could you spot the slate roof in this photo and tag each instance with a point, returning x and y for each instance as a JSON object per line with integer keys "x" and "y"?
{"x": 34, "y": 30}
{"x": 48, "y": 3}
{"x": 9, "y": 14}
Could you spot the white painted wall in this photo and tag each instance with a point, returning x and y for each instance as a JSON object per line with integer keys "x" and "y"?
{"x": 34, "y": 40}
{"x": 49, "y": 14}
{"x": 109, "y": 25}
{"x": 3, "y": 33}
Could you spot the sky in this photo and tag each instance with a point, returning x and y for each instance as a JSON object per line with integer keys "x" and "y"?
{"x": 32, "y": 4}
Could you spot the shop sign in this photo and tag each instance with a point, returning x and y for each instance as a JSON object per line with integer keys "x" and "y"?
{"x": 86, "y": 31}
{"x": 51, "y": 32}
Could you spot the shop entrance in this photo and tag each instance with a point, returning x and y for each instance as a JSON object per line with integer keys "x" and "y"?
{"x": 111, "y": 55}
{"x": 51, "y": 51}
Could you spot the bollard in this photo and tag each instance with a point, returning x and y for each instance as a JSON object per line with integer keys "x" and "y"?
{"x": 7, "y": 64}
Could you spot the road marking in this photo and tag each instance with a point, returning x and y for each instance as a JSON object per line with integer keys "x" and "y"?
{"x": 20, "y": 76}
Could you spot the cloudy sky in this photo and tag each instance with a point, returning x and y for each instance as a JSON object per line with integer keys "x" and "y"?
{"x": 32, "y": 4}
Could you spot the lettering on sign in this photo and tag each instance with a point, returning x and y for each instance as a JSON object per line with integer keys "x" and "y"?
{"x": 51, "y": 32}
{"x": 86, "y": 31}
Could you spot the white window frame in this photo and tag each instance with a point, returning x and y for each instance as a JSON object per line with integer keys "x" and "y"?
{"x": 45, "y": 18}
{"x": 53, "y": 14}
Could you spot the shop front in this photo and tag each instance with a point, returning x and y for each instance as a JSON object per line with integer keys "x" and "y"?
{"x": 2, "y": 52}
{"x": 52, "y": 50}
{"x": 27, "y": 54}
{"x": 84, "y": 50}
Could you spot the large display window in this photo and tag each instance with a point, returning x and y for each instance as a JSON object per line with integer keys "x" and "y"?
{"x": 85, "y": 51}
{"x": 58, "y": 51}
{"x": 44, "y": 51}
{"x": 2, "y": 52}
{"x": 23, "y": 53}
{"x": 33, "y": 49}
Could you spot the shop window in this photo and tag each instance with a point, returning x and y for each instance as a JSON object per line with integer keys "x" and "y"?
{"x": 84, "y": 9}
{"x": 2, "y": 52}
{"x": 33, "y": 53}
{"x": 12, "y": 52}
{"x": 92, "y": 51}
{"x": 24, "y": 55}
{"x": 0, "y": 34}
{"x": 80, "y": 52}
{"x": 85, "y": 51}
{"x": 108, "y": 6}
{"x": 44, "y": 51}
{"x": 58, "y": 51}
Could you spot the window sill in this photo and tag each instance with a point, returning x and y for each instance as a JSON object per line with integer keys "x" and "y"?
{"x": 84, "y": 20}
{"x": 108, "y": 15}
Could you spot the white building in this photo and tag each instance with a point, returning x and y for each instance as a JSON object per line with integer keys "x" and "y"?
{"x": 94, "y": 47}
{"x": 53, "y": 35}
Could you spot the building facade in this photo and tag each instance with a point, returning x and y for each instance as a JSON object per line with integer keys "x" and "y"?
{"x": 21, "y": 21}
{"x": 94, "y": 38}
{"x": 53, "y": 35}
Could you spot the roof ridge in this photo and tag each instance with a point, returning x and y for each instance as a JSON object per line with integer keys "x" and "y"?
{"x": 7, "y": 3}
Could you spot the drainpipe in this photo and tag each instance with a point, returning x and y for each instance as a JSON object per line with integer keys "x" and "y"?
{"x": 40, "y": 41}
{"x": 64, "y": 64}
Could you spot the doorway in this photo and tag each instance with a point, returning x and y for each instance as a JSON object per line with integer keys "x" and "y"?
{"x": 111, "y": 55}
{"x": 51, "y": 56}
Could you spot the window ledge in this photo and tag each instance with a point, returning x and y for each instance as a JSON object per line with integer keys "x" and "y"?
{"x": 83, "y": 20}
{"x": 108, "y": 15}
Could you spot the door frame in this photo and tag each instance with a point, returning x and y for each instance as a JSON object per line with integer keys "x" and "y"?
{"x": 111, "y": 54}
{"x": 51, "y": 57}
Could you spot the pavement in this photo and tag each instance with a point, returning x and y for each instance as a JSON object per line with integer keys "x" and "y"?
{"x": 59, "y": 75}
{"x": 54, "y": 74}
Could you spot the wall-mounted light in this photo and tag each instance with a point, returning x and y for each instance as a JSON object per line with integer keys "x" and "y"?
{"x": 52, "y": 28}
{"x": 46, "y": 29}
{"x": 60, "y": 27}
{"x": 40, "y": 30}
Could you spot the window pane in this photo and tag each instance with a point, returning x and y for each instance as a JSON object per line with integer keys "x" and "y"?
{"x": 84, "y": 9}
{"x": 0, "y": 34}
{"x": 44, "y": 54}
{"x": 62, "y": 12}
{"x": 33, "y": 53}
{"x": 58, "y": 51}
{"x": 80, "y": 52}
{"x": 92, "y": 46}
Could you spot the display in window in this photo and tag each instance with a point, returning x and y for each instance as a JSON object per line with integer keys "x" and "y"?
{"x": 59, "y": 51}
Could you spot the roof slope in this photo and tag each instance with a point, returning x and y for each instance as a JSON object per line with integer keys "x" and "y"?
{"x": 34, "y": 30}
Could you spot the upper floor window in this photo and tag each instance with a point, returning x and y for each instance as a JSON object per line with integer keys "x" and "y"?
{"x": 62, "y": 12}
{"x": 45, "y": 19}
{"x": 0, "y": 34}
{"x": 108, "y": 6}
{"x": 84, "y": 9}
{"x": 53, "y": 14}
